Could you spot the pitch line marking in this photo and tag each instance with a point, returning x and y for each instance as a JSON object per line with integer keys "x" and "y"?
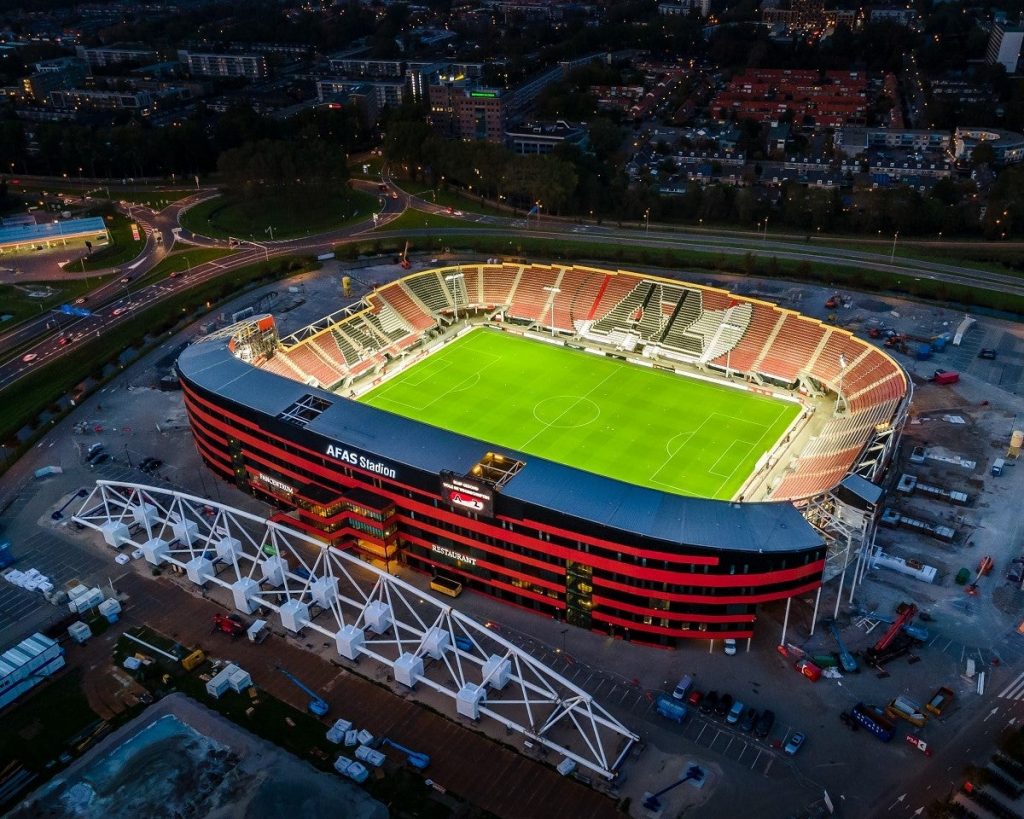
{"x": 725, "y": 452}
{"x": 583, "y": 397}
{"x": 767, "y": 429}
{"x": 466, "y": 383}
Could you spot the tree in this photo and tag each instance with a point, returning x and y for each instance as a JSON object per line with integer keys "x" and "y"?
{"x": 285, "y": 168}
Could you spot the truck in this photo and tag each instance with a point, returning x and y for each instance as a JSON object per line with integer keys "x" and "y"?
{"x": 940, "y": 701}
{"x": 945, "y": 377}
{"x": 904, "y": 708}
{"x": 670, "y": 709}
{"x": 874, "y": 720}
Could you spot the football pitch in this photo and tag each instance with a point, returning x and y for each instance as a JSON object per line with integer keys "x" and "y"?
{"x": 640, "y": 425}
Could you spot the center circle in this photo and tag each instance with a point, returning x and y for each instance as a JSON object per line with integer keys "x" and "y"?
{"x": 566, "y": 411}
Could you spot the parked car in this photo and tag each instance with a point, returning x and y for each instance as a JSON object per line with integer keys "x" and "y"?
{"x": 735, "y": 713}
{"x": 94, "y": 452}
{"x": 1015, "y": 570}
{"x": 723, "y": 705}
{"x": 695, "y": 698}
{"x": 987, "y": 352}
{"x": 101, "y": 458}
{"x": 733, "y": 717}
{"x": 709, "y": 703}
{"x": 682, "y": 687}
{"x": 765, "y": 723}
{"x": 794, "y": 743}
{"x": 730, "y": 646}
{"x": 749, "y": 720}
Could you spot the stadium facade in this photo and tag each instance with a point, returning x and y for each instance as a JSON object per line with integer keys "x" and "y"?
{"x": 276, "y": 417}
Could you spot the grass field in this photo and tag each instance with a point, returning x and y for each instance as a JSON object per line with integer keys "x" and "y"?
{"x": 224, "y": 216}
{"x": 643, "y": 426}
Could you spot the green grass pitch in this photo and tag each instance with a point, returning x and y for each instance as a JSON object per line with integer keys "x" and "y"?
{"x": 640, "y": 425}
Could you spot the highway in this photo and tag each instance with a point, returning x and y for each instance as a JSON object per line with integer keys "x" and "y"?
{"x": 113, "y": 303}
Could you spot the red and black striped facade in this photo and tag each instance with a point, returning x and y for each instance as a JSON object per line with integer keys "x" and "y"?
{"x": 530, "y": 554}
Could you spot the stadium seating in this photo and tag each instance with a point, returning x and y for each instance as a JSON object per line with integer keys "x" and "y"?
{"x": 612, "y": 291}
{"x": 499, "y": 282}
{"x": 391, "y": 323}
{"x": 431, "y": 291}
{"x": 580, "y": 288}
{"x": 796, "y": 343}
{"x": 411, "y": 313}
{"x": 626, "y": 315}
{"x": 632, "y": 312}
{"x": 304, "y": 356}
{"x": 763, "y": 320}
{"x": 531, "y": 299}
{"x": 473, "y": 280}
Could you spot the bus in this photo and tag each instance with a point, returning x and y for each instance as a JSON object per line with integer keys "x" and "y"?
{"x": 445, "y": 585}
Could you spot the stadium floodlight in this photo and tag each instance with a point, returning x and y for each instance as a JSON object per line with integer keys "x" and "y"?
{"x": 554, "y": 291}
{"x": 455, "y": 293}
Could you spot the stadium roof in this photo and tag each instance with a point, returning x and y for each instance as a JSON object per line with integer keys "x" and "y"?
{"x": 51, "y": 231}
{"x": 748, "y": 527}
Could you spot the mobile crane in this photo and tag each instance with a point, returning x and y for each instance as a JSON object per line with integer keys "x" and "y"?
{"x": 846, "y": 659}
{"x": 316, "y": 706}
{"x": 888, "y": 646}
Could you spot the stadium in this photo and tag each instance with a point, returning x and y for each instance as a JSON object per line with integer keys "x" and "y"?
{"x": 640, "y": 456}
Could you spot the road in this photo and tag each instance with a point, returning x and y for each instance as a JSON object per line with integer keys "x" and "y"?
{"x": 39, "y": 339}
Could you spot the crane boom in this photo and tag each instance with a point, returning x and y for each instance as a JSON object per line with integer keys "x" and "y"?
{"x": 905, "y": 613}
{"x": 317, "y": 705}
{"x": 846, "y": 659}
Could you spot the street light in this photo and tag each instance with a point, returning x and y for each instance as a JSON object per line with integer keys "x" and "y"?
{"x": 647, "y": 220}
{"x": 451, "y": 279}
{"x": 892, "y": 256}
{"x": 554, "y": 291}
{"x": 842, "y": 368}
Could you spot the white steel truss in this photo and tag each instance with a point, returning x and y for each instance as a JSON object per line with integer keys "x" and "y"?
{"x": 367, "y": 612}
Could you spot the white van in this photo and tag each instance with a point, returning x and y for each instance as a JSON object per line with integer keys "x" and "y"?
{"x": 682, "y": 687}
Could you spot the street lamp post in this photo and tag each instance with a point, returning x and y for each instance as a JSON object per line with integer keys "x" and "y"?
{"x": 766, "y": 230}
{"x": 892, "y": 256}
{"x": 451, "y": 279}
{"x": 554, "y": 291}
{"x": 647, "y": 220}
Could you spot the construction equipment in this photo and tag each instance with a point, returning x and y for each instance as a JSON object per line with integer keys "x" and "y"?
{"x": 905, "y": 708}
{"x": 221, "y": 622}
{"x": 895, "y": 642}
{"x": 414, "y": 758}
{"x": 940, "y": 701}
{"x": 193, "y": 660}
{"x": 403, "y": 260}
{"x": 984, "y": 567}
{"x": 846, "y": 659}
{"x": 651, "y": 801}
{"x": 317, "y": 706}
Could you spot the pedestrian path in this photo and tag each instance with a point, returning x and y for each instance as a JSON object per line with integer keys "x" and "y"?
{"x": 1014, "y": 690}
